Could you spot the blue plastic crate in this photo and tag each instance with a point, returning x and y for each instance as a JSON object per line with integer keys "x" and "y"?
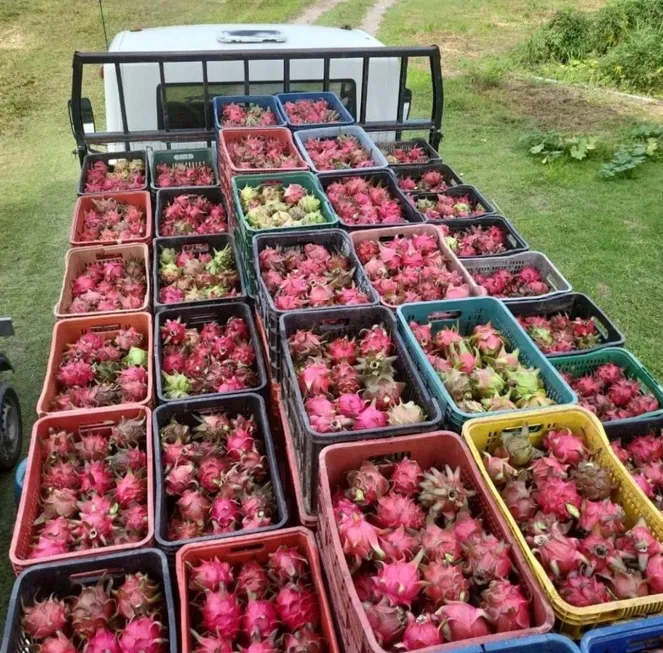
{"x": 263, "y": 101}
{"x": 345, "y": 118}
{"x": 536, "y": 644}
{"x": 379, "y": 160}
{"x": 630, "y": 637}
{"x": 465, "y": 314}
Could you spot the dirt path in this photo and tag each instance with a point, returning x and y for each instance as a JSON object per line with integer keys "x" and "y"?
{"x": 375, "y": 14}
{"x": 315, "y": 11}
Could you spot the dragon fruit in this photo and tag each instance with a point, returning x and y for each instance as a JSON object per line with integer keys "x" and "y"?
{"x": 559, "y": 334}
{"x": 143, "y": 635}
{"x": 558, "y": 552}
{"x": 124, "y": 174}
{"x": 395, "y": 510}
{"x": 440, "y": 543}
{"x": 421, "y": 632}
{"x": 506, "y": 607}
{"x": 59, "y": 643}
{"x": 387, "y": 621}
{"x": 45, "y": 618}
{"x": 286, "y": 564}
{"x": 297, "y": 607}
{"x": 580, "y": 591}
{"x": 180, "y": 174}
{"x": 110, "y": 221}
{"x": 566, "y": 447}
{"x": 362, "y": 201}
{"x": 445, "y": 206}
{"x": 558, "y": 497}
{"x": 519, "y": 501}
{"x": 462, "y": 621}
{"x": 137, "y": 596}
{"x": 444, "y": 582}
{"x": 400, "y": 581}
{"x": 92, "y": 610}
{"x": 405, "y": 477}
{"x": 246, "y": 114}
{"x": 443, "y": 493}
{"x": 189, "y": 214}
{"x": 486, "y": 559}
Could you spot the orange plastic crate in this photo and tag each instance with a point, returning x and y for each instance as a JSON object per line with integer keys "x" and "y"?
{"x": 141, "y": 199}
{"x": 428, "y": 449}
{"x": 67, "y": 331}
{"x": 255, "y": 548}
{"x": 78, "y": 421}
{"x": 79, "y": 258}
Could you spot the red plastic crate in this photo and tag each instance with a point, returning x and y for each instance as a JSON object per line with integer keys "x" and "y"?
{"x": 87, "y": 421}
{"x": 79, "y": 258}
{"x": 256, "y": 548}
{"x": 141, "y": 199}
{"x": 234, "y": 134}
{"x": 429, "y": 449}
{"x": 67, "y": 331}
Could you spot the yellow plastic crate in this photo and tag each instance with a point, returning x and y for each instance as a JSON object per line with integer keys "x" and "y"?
{"x": 484, "y": 434}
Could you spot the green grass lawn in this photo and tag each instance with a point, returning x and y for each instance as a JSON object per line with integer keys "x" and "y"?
{"x": 603, "y": 235}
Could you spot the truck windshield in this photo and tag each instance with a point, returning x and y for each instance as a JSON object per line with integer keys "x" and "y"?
{"x": 185, "y": 102}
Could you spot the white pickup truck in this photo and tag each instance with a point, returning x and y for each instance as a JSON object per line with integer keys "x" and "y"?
{"x": 159, "y": 82}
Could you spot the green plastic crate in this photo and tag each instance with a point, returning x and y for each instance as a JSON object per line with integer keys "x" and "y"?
{"x": 465, "y": 314}
{"x": 190, "y": 158}
{"x": 305, "y": 179}
{"x": 581, "y": 364}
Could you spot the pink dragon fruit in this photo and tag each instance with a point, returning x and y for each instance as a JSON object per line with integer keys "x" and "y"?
{"x": 557, "y": 552}
{"x": 143, "y": 635}
{"x": 221, "y": 613}
{"x": 567, "y": 447}
{"x": 486, "y": 559}
{"x": 462, "y": 621}
{"x": 387, "y": 621}
{"x": 400, "y": 581}
{"x": 45, "y": 618}
{"x": 395, "y": 510}
{"x": 443, "y": 582}
{"x": 297, "y": 607}
{"x": 421, "y": 632}
{"x": 581, "y": 591}
{"x": 405, "y": 477}
{"x": 398, "y": 544}
{"x": 366, "y": 485}
{"x": 505, "y": 606}
{"x": 559, "y": 497}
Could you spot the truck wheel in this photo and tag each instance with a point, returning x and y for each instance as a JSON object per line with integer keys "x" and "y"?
{"x": 11, "y": 427}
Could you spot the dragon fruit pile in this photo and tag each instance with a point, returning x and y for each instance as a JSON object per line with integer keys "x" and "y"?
{"x": 502, "y": 283}
{"x": 410, "y": 269}
{"x": 115, "y": 615}
{"x": 430, "y": 181}
{"x": 309, "y": 276}
{"x": 216, "y": 476}
{"x": 109, "y": 286}
{"x": 339, "y": 153}
{"x": 247, "y": 115}
{"x": 425, "y": 568}
{"x": 558, "y": 333}
{"x": 561, "y": 498}
{"x": 192, "y": 214}
{"x": 477, "y": 241}
{"x": 111, "y": 221}
{"x": 611, "y": 395}
{"x": 642, "y": 457}
{"x": 260, "y": 152}
{"x": 359, "y": 201}
{"x": 96, "y": 371}
{"x": 214, "y": 358}
{"x": 405, "y": 153}
{"x": 448, "y": 207}
{"x": 94, "y": 490}
{"x": 190, "y": 276}
{"x": 125, "y": 174}
{"x": 280, "y": 205}
{"x": 256, "y": 607}
{"x": 310, "y": 112}
{"x": 179, "y": 174}
{"x": 479, "y": 372}
{"x": 348, "y": 383}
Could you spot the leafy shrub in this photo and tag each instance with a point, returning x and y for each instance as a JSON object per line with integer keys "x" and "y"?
{"x": 566, "y": 37}
{"x": 552, "y": 145}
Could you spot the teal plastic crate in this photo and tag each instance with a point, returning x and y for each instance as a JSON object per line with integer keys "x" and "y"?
{"x": 581, "y": 364}
{"x": 465, "y": 314}
{"x": 188, "y": 157}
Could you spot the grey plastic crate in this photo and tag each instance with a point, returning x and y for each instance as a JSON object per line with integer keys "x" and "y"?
{"x": 516, "y": 262}
{"x": 332, "y": 132}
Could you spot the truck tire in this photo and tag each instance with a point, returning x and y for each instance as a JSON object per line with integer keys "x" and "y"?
{"x": 11, "y": 427}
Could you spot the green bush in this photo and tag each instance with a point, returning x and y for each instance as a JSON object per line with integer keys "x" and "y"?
{"x": 636, "y": 64}
{"x": 566, "y": 37}
{"x": 611, "y": 26}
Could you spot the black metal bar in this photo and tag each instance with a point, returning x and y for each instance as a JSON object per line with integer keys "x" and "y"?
{"x": 402, "y": 82}
{"x": 325, "y": 74}
{"x": 255, "y": 55}
{"x": 247, "y": 85}
{"x": 76, "y": 117}
{"x": 164, "y": 104}
{"x": 123, "y": 106}
{"x": 438, "y": 98}
{"x": 286, "y": 75}
{"x": 206, "y": 92}
{"x": 185, "y": 135}
{"x": 364, "y": 89}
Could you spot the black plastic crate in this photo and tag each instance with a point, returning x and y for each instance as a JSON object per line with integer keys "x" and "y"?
{"x": 515, "y": 243}
{"x": 387, "y": 147}
{"x": 388, "y": 179}
{"x": 575, "y": 305}
{"x": 455, "y": 191}
{"x": 165, "y": 195}
{"x": 247, "y": 404}
{"x": 91, "y": 159}
{"x": 416, "y": 170}
{"x": 198, "y": 244}
{"x": 336, "y": 241}
{"x": 338, "y": 323}
{"x": 631, "y": 430}
{"x": 197, "y": 316}
{"x": 64, "y": 578}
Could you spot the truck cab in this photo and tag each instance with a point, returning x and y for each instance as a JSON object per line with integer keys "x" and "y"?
{"x": 158, "y": 83}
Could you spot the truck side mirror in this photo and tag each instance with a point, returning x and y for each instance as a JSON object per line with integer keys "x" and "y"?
{"x": 87, "y": 115}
